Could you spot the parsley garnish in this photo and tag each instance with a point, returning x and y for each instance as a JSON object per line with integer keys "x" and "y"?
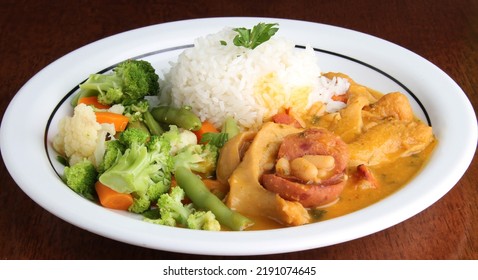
{"x": 252, "y": 38}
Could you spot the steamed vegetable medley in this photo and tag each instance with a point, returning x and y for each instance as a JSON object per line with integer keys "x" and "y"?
{"x": 137, "y": 158}
{"x": 301, "y": 163}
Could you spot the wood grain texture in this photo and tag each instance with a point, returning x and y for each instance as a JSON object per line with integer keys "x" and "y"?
{"x": 35, "y": 33}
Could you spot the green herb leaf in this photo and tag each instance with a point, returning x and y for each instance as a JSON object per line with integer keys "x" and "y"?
{"x": 259, "y": 34}
{"x": 318, "y": 213}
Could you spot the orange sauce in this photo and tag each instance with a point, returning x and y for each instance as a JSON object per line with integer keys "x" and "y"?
{"x": 391, "y": 177}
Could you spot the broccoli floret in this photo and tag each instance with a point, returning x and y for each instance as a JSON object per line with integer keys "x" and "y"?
{"x": 172, "y": 212}
{"x": 111, "y": 95}
{"x": 171, "y": 206}
{"x": 141, "y": 203}
{"x": 114, "y": 150}
{"x": 159, "y": 148}
{"x": 133, "y": 135}
{"x": 160, "y": 182}
{"x": 178, "y": 139}
{"x": 165, "y": 219}
{"x": 186, "y": 152}
{"x": 158, "y": 144}
{"x": 129, "y": 82}
{"x": 128, "y": 174}
{"x": 81, "y": 178}
{"x": 135, "y": 110}
{"x": 198, "y": 158}
{"x": 204, "y": 221}
{"x": 144, "y": 170}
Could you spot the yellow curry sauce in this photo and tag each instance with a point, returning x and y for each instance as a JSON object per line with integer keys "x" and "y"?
{"x": 392, "y": 177}
{"x": 382, "y": 134}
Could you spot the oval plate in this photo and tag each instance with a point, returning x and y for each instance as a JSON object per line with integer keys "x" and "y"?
{"x": 32, "y": 117}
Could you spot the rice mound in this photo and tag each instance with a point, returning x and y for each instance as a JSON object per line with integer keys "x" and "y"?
{"x": 218, "y": 80}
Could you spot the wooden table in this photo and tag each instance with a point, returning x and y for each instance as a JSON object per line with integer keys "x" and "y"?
{"x": 35, "y": 33}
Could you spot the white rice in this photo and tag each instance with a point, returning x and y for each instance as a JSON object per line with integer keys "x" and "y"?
{"x": 219, "y": 80}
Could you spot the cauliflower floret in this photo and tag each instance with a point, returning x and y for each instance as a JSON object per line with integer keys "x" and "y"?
{"x": 117, "y": 109}
{"x": 97, "y": 157}
{"x": 79, "y": 135}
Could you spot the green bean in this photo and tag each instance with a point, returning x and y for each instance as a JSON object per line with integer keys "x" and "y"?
{"x": 152, "y": 124}
{"x": 182, "y": 117}
{"x": 200, "y": 195}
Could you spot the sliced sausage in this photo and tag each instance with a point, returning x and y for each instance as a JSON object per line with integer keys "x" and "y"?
{"x": 312, "y": 193}
{"x": 309, "y": 195}
{"x": 315, "y": 141}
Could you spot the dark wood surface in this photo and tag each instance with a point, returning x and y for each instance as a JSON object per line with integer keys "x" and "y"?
{"x": 35, "y": 33}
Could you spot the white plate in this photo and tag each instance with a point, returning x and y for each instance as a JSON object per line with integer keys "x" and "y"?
{"x": 32, "y": 117}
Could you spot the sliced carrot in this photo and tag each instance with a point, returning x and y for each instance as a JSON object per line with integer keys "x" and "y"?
{"x": 92, "y": 100}
{"x": 343, "y": 98}
{"x": 120, "y": 121}
{"x": 285, "y": 118}
{"x": 112, "y": 199}
{"x": 205, "y": 128}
